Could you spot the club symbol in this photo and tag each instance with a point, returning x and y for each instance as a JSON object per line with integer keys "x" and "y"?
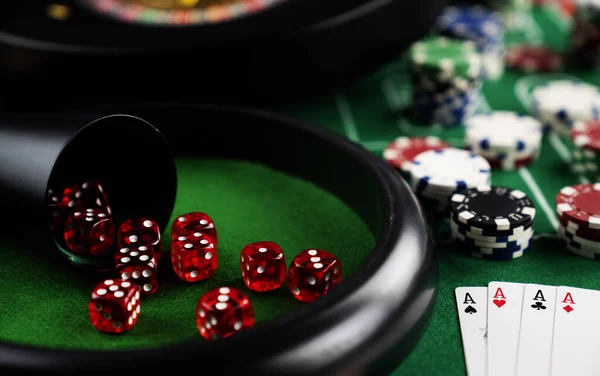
{"x": 470, "y": 310}
{"x": 538, "y": 306}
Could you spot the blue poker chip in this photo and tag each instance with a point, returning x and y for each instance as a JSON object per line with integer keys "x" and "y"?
{"x": 501, "y": 256}
{"x": 475, "y": 23}
{"x": 470, "y": 246}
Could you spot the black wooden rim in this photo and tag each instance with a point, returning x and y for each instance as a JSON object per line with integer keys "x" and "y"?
{"x": 367, "y": 325}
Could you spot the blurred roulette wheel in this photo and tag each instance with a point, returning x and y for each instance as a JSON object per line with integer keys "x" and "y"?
{"x": 212, "y": 50}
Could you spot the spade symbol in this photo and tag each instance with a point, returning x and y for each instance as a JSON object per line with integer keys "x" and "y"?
{"x": 470, "y": 310}
{"x": 538, "y": 306}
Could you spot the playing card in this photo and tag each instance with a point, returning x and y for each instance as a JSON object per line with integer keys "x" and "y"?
{"x": 471, "y": 303}
{"x": 535, "y": 338}
{"x": 576, "y": 340}
{"x": 505, "y": 300}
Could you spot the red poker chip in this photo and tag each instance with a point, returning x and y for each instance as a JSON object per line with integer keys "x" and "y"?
{"x": 532, "y": 59}
{"x": 585, "y": 233}
{"x": 403, "y": 150}
{"x": 586, "y": 134}
{"x": 580, "y": 204}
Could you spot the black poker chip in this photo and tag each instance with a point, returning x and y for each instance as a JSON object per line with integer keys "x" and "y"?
{"x": 498, "y": 234}
{"x": 492, "y": 209}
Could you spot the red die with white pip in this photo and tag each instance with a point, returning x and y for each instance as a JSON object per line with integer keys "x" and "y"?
{"x": 89, "y": 194}
{"x": 194, "y": 222}
{"x": 139, "y": 231}
{"x": 114, "y": 306}
{"x": 263, "y": 266}
{"x": 89, "y": 232}
{"x": 56, "y": 212}
{"x": 222, "y": 312}
{"x": 138, "y": 265}
{"x": 194, "y": 257}
{"x": 313, "y": 273}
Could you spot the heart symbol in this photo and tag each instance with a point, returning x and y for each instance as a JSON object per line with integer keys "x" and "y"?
{"x": 499, "y": 303}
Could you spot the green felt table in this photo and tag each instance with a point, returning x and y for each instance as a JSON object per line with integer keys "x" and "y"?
{"x": 250, "y": 202}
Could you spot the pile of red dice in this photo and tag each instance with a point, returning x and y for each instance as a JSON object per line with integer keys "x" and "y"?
{"x": 83, "y": 214}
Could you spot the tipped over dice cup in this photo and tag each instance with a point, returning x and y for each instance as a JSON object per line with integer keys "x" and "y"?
{"x": 59, "y": 151}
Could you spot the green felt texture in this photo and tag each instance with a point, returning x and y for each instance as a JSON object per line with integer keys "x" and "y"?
{"x": 43, "y": 299}
{"x": 372, "y": 113}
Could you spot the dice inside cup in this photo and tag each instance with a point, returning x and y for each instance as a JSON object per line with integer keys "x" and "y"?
{"x": 81, "y": 218}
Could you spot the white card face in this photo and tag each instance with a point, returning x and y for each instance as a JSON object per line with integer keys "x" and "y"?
{"x": 505, "y": 300}
{"x": 537, "y": 323}
{"x": 471, "y": 303}
{"x": 576, "y": 341}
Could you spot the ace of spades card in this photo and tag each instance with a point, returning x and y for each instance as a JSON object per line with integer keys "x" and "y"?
{"x": 471, "y": 303}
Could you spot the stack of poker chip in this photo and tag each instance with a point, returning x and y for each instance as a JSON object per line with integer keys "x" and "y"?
{"x": 585, "y": 36}
{"x": 558, "y": 104}
{"x": 446, "y": 80}
{"x": 492, "y": 222}
{"x": 401, "y": 152}
{"x": 585, "y": 151}
{"x": 578, "y": 208}
{"x": 506, "y": 139}
{"x": 534, "y": 59}
{"x": 436, "y": 175}
{"x": 482, "y": 26}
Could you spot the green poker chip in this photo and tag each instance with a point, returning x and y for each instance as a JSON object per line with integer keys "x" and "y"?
{"x": 445, "y": 60}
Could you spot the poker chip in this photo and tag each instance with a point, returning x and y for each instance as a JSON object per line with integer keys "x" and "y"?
{"x": 558, "y": 104}
{"x": 482, "y": 26}
{"x": 492, "y": 222}
{"x": 455, "y": 227}
{"x": 501, "y": 256}
{"x": 586, "y": 134}
{"x": 534, "y": 58}
{"x": 507, "y": 246}
{"x": 436, "y": 174}
{"x": 499, "y": 234}
{"x": 445, "y": 59}
{"x": 449, "y": 169}
{"x": 493, "y": 207}
{"x": 446, "y": 77}
{"x": 402, "y": 151}
{"x": 582, "y": 253}
{"x": 580, "y": 204}
{"x": 578, "y": 208}
{"x": 581, "y": 242}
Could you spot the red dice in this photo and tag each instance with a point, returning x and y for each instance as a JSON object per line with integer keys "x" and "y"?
{"x": 89, "y": 194}
{"x": 194, "y": 222}
{"x": 222, "y": 312}
{"x": 114, "y": 306}
{"x": 194, "y": 257}
{"x": 263, "y": 266}
{"x": 139, "y": 231}
{"x": 138, "y": 265}
{"x": 313, "y": 273}
{"x": 89, "y": 232}
{"x": 56, "y": 212}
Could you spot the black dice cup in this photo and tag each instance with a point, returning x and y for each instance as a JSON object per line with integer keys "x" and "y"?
{"x": 127, "y": 155}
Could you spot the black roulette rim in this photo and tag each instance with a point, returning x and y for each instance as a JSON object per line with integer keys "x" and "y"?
{"x": 356, "y": 328}
{"x": 25, "y": 23}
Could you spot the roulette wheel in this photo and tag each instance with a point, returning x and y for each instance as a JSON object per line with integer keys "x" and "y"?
{"x": 234, "y": 50}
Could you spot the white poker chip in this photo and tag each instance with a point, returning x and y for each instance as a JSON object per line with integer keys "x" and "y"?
{"x": 447, "y": 170}
{"x": 562, "y": 102}
{"x": 503, "y": 132}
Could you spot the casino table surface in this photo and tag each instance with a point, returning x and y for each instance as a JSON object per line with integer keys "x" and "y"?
{"x": 371, "y": 112}
{"x": 250, "y": 202}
